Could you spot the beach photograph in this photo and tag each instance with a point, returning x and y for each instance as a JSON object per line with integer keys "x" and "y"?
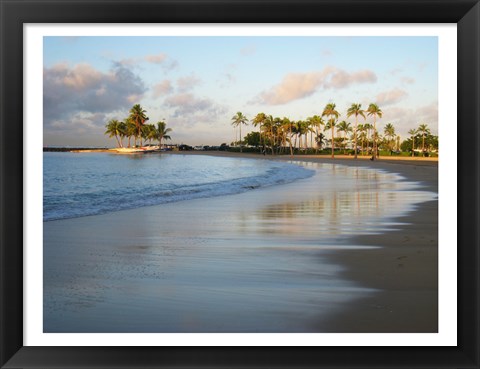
{"x": 240, "y": 184}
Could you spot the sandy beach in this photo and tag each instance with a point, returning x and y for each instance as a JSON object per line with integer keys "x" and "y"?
{"x": 404, "y": 269}
{"x": 252, "y": 262}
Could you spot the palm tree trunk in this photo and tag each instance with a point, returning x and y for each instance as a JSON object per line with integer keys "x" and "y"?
{"x": 240, "y": 137}
{"x": 355, "y": 136}
{"x": 333, "y": 142}
{"x": 273, "y": 141}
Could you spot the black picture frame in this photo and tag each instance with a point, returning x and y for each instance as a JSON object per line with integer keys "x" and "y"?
{"x": 15, "y": 13}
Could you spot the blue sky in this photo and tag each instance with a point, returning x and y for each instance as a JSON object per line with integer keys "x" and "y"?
{"x": 198, "y": 83}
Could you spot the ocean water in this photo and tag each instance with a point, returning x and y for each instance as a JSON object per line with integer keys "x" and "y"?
{"x": 81, "y": 184}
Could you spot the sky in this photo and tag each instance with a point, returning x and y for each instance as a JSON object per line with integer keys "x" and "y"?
{"x": 197, "y": 84}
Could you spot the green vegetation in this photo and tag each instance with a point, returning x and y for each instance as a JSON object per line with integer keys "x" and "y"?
{"x": 321, "y": 134}
{"x": 135, "y": 126}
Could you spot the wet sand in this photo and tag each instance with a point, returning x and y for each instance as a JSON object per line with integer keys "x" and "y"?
{"x": 251, "y": 262}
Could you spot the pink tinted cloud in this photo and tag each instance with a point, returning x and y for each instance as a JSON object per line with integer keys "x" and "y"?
{"x": 341, "y": 79}
{"x": 187, "y": 83}
{"x": 161, "y": 89}
{"x": 391, "y": 97}
{"x": 156, "y": 59}
{"x": 296, "y": 86}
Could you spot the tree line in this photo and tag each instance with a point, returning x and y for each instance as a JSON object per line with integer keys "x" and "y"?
{"x": 135, "y": 126}
{"x": 278, "y": 135}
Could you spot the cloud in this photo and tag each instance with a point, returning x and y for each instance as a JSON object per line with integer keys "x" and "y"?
{"x": 187, "y": 83}
{"x": 391, "y": 97}
{"x": 162, "y": 59}
{"x": 161, "y": 89}
{"x": 408, "y": 118}
{"x": 79, "y": 123}
{"x": 84, "y": 89}
{"x": 186, "y": 104}
{"x": 296, "y": 86}
{"x": 341, "y": 79}
{"x": 156, "y": 59}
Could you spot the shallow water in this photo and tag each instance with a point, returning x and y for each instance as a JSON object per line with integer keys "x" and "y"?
{"x": 81, "y": 184}
{"x": 250, "y": 262}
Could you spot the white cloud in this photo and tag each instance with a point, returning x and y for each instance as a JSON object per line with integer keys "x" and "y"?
{"x": 187, "y": 104}
{"x": 187, "y": 83}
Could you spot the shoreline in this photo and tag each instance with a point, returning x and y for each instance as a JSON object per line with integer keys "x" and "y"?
{"x": 404, "y": 267}
{"x": 402, "y": 273}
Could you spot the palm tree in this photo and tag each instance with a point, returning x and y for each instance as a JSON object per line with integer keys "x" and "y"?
{"x": 355, "y": 109}
{"x": 237, "y": 121}
{"x": 287, "y": 126}
{"x": 259, "y": 120}
{"x": 332, "y": 119}
{"x": 344, "y": 127}
{"x": 318, "y": 122}
{"x": 276, "y": 132}
{"x": 131, "y": 130}
{"x": 389, "y": 131}
{"x": 162, "y": 132}
{"x": 149, "y": 132}
{"x": 301, "y": 129}
{"x": 368, "y": 127}
{"x": 374, "y": 110}
{"x": 331, "y": 125}
{"x": 315, "y": 122}
{"x": 114, "y": 129}
{"x": 138, "y": 116}
{"x": 268, "y": 125}
{"x": 424, "y": 130}
{"x": 319, "y": 140}
{"x": 413, "y": 132}
{"x": 362, "y": 128}
{"x": 123, "y": 132}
